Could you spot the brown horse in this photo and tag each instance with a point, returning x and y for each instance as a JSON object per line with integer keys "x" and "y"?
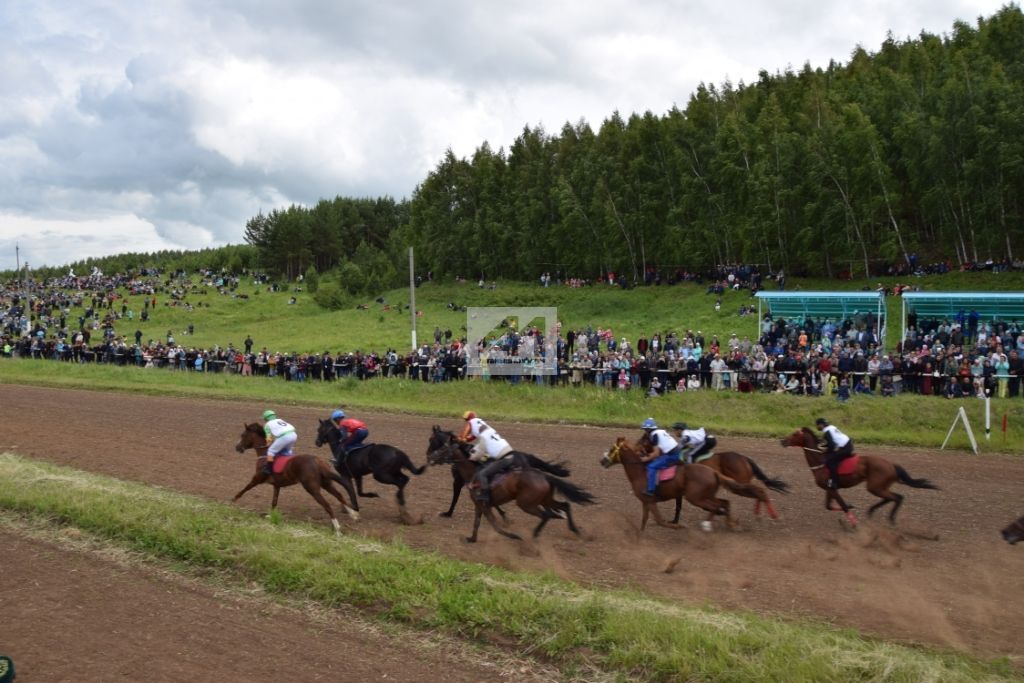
{"x": 879, "y": 473}
{"x": 737, "y": 467}
{"x": 308, "y": 470}
{"x": 697, "y": 483}
{"x": 532, "y": 490}
{"x": 1014, "y": 533}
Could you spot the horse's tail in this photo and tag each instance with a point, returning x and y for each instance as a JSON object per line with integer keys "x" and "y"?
{"x": 572, "y": 492}
{"x": 746, "y": 490}
{"x": 407, "y": 462}
{"x": 910, "y": 481}
{"x": 556, "y": 468}
{"x": 773, "y": 484}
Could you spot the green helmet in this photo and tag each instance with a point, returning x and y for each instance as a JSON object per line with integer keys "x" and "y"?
{"x": 269, "y": 415}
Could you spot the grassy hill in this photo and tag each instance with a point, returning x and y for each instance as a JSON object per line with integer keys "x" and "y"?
{"x": 307, "y": 327}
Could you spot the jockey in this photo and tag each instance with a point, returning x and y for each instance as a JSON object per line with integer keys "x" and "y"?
{"x": 489, "y": 449}
{"x": 696, "y": 442}
{"x": 281, "y": 437}
{"x": 665, "y": 454}
{"x": 838, "y": 447}
{"x": 353, "y": 432}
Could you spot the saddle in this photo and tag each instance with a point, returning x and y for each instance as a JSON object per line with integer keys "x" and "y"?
{"x": 281, "y": 461}
{"x": 359, "y": 447}
{"x": 667, "y": 474}
{"x": 848, "y": 465}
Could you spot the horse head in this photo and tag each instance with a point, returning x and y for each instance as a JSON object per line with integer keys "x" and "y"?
{"x": 614, "y": 454}
{"x": 1014, "y": 533}
{"x": 801, "y": 438}
{"x": 252, "y": 437}
{"x": 325, "y": 432}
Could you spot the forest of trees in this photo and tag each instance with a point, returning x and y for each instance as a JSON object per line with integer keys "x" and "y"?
{"x": 850, "y": 168}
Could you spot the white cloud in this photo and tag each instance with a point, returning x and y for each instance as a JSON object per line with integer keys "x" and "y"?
{"x": 181, "y": 120}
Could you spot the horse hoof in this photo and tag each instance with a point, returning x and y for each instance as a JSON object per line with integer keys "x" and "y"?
{"x": 444, "y": 514}
{"x": 469, "y": 539}
{"x": 705, "y": 526}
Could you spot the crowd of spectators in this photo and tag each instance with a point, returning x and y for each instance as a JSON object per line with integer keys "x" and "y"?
{"x": 75, "y": 319}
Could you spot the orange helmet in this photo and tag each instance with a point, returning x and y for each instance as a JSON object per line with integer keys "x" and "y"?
{"x": 468, "y": 415}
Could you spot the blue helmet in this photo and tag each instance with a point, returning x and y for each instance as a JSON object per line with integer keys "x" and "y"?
{"x": 649, "y": 423}
{"x": 337, "y": 414}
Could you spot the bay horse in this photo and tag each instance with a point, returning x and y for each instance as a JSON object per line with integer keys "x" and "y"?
{"x": 697, "y": 483}
{"x": 308, "y": 470}
{"x": 737, "y": 467}
{"x": 879, "y": 473}
{"x": 439, "y": 437}
{"x": 384, "y": 462}
{"x": 532, "y": 490}
{"x": 1014, "y": 533}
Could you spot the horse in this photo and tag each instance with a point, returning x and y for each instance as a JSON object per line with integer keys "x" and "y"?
{"x": 879, "y": 473}
{"x": 737, "y": 467}
{"x": 697, "y": 483}
{"x": 439, "y": 437}
{"x": 532, "y": 490}
{"x": 308, "y": 470}
{"x": 384, "y": 462}
{"x": 1014, "y": 533}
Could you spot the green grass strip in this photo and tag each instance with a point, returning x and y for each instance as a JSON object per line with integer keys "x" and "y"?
{"x": 623, "y": 633}
{"x": 906, "y": 420}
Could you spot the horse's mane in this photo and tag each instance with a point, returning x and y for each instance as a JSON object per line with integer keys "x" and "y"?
{"x": 254, "y": 427}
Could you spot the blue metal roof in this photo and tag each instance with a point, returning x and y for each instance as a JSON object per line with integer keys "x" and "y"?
{"x": 999, "y": 305}
{"x": 823, "y": 304}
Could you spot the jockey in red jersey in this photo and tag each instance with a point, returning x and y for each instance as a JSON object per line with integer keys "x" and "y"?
{"x": 353, "y": 432}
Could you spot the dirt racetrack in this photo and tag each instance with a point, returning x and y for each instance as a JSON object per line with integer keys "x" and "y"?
{"x": 962, "y": 590}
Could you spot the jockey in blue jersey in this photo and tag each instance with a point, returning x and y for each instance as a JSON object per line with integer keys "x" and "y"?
{"x": 665, "y": 454}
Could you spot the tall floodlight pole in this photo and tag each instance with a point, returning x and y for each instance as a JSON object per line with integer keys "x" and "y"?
{"x": 412, "y": 298}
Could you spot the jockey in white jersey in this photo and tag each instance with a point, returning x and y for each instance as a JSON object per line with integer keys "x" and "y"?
{"x": 696, "y": 442}
{"x": 281, "y": 436}
{"x": 488, "y": 448}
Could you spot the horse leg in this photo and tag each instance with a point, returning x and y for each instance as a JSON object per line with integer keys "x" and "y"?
{"x": 850, "y": 517}
{"x": 476, "y": 523}
{"x": 566, "y": 508}
{"x": 494, "y": 523}
{"x": 359, "y": 489}
{"x": 457, "y": 483}
{"x": 329, "y": 487}
{"x": 255, "y": 481}
{"x": 313, "y": 489}
{"x": 353, "y": 509}
{"x": 658, "y": 519}
{"x": 273, "y": 502}
{"x": 643, "y": 522}
{"x": 679, "y": 509}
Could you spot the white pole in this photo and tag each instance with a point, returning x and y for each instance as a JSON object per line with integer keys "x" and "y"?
{"x": 988, "y": 418}
{"x": 412, "y": 298}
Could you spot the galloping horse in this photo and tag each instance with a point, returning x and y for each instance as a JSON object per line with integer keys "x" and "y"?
{"x": 737, "y": 467}
{"x": 532, "y": 490}
{"x": 439, "y": 437}
{"x": 384, "y": 462}
{"x": 879, "y": 473}
{"x": 697, "y": 483}
{"x": 308, "y": 470}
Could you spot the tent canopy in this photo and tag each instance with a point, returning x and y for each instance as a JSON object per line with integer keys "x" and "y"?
{"x": 1008, "y": 306}
{"x": 840, "y": 305}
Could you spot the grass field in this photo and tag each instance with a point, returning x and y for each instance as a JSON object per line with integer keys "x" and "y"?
{"x": 907, "y": 420}
{"x": 305, "y": 327}
{"x": 618, "y": 634}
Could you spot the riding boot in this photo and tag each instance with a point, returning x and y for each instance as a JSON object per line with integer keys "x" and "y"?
{"x": 268, "y": 468}
{"x": 484, "y": 496}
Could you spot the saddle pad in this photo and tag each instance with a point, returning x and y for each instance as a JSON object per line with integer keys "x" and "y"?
{"x": 667, "y": 474}
{"x": 705, "y": 457}
{"x": 849, "y": 465}
{"x": 360, "y": 447}
{"x": 280, "y": 462}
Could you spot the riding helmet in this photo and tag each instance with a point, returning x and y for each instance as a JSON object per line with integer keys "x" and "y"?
{"x": 468, "y": 415}
{"x": 338, "y": 414}
{"x": 679, "y": 425}
{"x": 821, "y": 422}
{"x": 269, "y": 415}
{"x": 649, "y": 423}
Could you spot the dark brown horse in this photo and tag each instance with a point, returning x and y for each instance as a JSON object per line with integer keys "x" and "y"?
{"x": 737, "y": 467}
{"x": 313, "y": 473}
{"x": 1014, "y": 533}
{"x": 697, "y": 483}
{"x": 879, "y": 473}
{"x": 532, "y": 490}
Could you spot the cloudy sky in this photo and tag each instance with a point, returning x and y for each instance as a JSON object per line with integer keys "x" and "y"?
{"x": 137, "y": 126}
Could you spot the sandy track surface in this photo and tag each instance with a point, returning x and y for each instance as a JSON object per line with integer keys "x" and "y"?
{"x": 956, "y": 591}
